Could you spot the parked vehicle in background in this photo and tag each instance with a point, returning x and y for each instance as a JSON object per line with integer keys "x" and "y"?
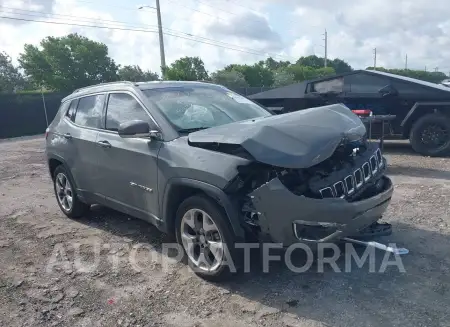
{"x": 214, "y": 168}
{"x": 422, "y": 109}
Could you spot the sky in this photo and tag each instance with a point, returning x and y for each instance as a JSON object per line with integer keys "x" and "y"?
{"x": 222, "y": 32}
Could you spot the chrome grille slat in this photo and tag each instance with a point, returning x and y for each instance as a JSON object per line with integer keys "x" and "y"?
{"x": 327, "y": 189}
{"x": 379, "y": 158}
{"x": 351, "y": 183}
{"x": 366, "y": 172}
{"x": 359, "y": 173}
{"x": 373, "y": 165}
{"x": 337, "y": 192}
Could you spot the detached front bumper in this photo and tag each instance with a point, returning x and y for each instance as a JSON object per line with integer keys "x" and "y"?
{"x": 287, "y": 218}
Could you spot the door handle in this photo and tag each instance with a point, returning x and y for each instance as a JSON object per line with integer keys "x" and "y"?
{"x": 68, "y": 136}
{"x": 104, "y": 144}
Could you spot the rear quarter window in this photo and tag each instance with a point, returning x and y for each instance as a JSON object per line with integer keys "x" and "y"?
{"x": 72, "y": 109}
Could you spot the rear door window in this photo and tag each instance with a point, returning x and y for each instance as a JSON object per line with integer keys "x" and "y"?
{"x": 89, "y": 111}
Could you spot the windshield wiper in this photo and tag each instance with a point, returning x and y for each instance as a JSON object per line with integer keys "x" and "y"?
{"x": 191, "y": 130}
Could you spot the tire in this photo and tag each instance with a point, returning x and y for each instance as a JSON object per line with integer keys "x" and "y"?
{"x": 77, "y": 208}
{"x": 420, "y": 128}
{"x": 205, "y": 210}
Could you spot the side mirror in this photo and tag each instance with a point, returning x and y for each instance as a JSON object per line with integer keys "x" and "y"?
{"x": 136, "y": 128}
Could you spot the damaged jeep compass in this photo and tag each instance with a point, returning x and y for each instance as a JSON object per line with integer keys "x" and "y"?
{"x": 213, "y": 168}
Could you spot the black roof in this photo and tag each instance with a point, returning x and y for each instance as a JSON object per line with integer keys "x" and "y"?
{"x": 298, "y": 90}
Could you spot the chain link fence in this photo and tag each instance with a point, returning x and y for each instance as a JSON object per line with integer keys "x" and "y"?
{"x": 27, "y": 113}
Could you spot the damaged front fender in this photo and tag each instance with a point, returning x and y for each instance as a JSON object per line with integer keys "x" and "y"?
{"x": 282, "y": 214}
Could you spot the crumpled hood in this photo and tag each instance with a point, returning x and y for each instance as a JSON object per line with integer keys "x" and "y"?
{"x": 299, "y": 139}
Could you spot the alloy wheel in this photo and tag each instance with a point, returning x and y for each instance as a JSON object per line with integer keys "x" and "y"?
{"x": 64, "y": 192}
{"x": 202, "y": 240}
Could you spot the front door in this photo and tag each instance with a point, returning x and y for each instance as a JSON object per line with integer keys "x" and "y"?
{"x": 128, "y": 166}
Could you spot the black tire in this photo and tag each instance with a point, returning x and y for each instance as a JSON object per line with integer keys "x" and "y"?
{"x": 219, "y": 218}
{"x": 78, "y": 208}
{"x": 419, "y": 128}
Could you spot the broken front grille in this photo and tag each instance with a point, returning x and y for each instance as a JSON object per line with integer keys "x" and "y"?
{"x": 356, "y": 180}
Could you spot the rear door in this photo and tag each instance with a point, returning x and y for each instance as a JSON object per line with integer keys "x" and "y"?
{"x": 128, "y": 166}
{"x": 85, "y": 121}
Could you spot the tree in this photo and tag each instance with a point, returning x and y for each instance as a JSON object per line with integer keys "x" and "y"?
{"x": 311, "y": 61}
{"x": 256, "y": 75}
{"x": 272, "y": 64}
{"x": 186, "y": 69}
{"x": 283, "y": 77}
{"x": 433, "y": 77}
{"x": 339, "y": 65}
{"x": 67, "y": 63}
{"x": 302, "y": 73}
{"x": 11, "y": 79}
{"x": 230, "y": 79}
{"x": 136, "y": 74}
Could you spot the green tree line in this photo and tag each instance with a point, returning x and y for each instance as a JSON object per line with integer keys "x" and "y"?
{"x": 74, "y": 61}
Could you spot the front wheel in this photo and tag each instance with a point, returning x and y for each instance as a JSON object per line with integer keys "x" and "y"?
{"x": 430, "y": 135}
{"x": 204, "y": 233}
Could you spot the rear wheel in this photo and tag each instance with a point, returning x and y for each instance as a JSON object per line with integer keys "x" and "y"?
{"x": 66, "y": 194}
{"x": 430, "y": 135}
{"x": 204, "y": 233}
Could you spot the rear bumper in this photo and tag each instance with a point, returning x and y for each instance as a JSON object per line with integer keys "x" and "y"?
{"x": 287, "y": 218}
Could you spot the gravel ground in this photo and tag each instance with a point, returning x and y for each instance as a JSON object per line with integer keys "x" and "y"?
{"x": 33, "y": 230}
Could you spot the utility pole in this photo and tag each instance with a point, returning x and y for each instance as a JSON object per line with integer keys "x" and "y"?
{"x": 160, "y": 32}
{"x": 406, "y": 62}
{"x": 375, "y": 59}
{"x": 425, "y": 68}
{"x": 326, "y": 48}
{"x": 436, "y": 69}
{"x": 161, "y": 37}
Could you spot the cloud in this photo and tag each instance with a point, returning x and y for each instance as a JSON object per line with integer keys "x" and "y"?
{"x": 395, "y": 28}
{"x": 21, "y": 8}
{"x": 247, "y": 31}
{"x": 248, "y": 26}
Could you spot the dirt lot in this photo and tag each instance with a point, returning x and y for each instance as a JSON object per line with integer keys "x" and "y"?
{"x": 32, "y": 229}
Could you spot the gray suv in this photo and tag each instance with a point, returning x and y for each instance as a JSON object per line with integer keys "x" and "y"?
{"x": 212, "y": 167}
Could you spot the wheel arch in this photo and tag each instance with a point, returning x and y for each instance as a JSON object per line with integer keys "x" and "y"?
{"x": 179, "y": 189}
{"x": 420, "y": 109}
{"x": 55, "y": 161}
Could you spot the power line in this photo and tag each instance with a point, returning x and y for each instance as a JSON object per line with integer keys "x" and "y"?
{"x": 136, "y": 9}
{"x": 114, "y": 22}
{"x": 208, "y": 5}
{"x": 239, "y": 5}
{"x": 136, "y": 30}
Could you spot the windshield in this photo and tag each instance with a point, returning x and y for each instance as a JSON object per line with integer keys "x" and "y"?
{"x": 190, "y": 108}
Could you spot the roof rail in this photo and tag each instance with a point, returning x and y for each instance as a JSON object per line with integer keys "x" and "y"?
{"x": 102, "y": 84}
